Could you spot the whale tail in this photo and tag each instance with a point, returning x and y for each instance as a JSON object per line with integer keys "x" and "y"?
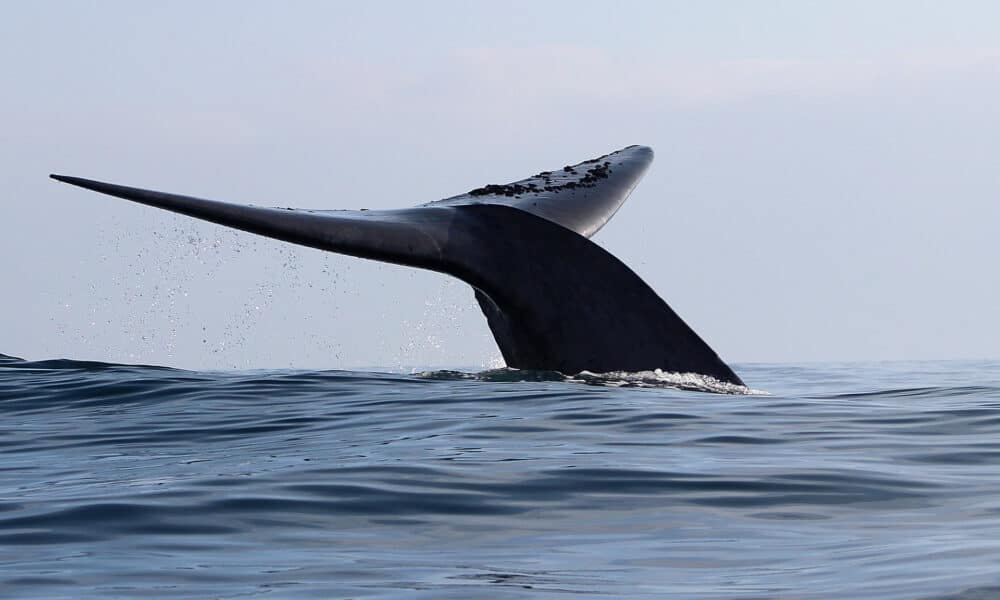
{"x": 553, "y": 299}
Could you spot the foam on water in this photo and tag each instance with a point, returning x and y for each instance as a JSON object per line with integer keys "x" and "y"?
{"x": 660, "y": 378}
{"x": 647, "y": 379}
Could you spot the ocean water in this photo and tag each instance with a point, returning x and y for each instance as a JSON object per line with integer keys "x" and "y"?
{"x": 843, "y": 480}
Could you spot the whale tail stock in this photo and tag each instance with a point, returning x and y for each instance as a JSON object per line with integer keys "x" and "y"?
{"x": 553, "y": 299}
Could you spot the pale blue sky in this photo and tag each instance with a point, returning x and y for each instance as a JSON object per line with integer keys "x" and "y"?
{"x": 827, "y": 181}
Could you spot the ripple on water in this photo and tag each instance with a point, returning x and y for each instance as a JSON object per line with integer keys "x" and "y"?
{"x": 846, "y": 481}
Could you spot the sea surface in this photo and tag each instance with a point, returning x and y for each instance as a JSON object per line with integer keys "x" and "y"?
{"x": 878, "y": 480}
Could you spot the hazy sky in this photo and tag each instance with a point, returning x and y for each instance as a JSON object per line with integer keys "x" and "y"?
{"x": 826, "y": 187}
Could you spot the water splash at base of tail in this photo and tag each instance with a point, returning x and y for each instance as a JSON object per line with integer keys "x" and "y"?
{"x": 643, "y": 379}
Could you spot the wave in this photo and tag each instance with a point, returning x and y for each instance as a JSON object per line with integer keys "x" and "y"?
{"x": 620, "y": 379}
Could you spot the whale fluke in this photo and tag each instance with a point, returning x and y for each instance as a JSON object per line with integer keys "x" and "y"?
{"x": 554, "y": 300}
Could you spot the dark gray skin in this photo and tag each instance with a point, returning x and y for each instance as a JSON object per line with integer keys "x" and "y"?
{"x": 554, "y": 300}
